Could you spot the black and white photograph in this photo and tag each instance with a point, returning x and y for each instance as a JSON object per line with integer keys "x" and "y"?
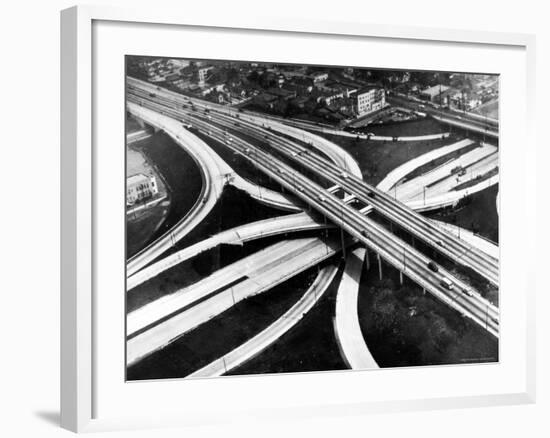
{"x": 289, "y": 218}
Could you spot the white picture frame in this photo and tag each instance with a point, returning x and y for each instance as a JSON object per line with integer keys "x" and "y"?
{"x": 79, "y": 200}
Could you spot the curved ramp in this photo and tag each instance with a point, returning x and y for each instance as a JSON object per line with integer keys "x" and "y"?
{"x": 214, "y": 172}
{"x": 346, "y": 323}
{"x": 269, "y": 335}
{"x": 234, "y": 236}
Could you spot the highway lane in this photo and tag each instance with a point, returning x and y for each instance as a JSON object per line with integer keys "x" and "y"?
{"x": 159, "y": 323}
{"x": 392, "y": 249}
{"x": 463, "y": 120}
{"x": 474, "y": 173}
{"x": 333, "y": 151}
{"x": 451, "y": 197}
{"x": 485, "y": 245}
{"x": 400, "y": 172}
{"x": 161, "y": 308}
{"x": 413, "y": 222}
{"x": 234, "y": 236}
{"x": 415, "y": 187}
{"x": 212, "y": 186}
{"x": 346, "y": 322}
{"x": 214, "y": 172}
{"x": 278, "y": 328}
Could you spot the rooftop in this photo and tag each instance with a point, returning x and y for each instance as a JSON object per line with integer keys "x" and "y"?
{"x": 435, "y": 90}
{"x": 136, "y": 179}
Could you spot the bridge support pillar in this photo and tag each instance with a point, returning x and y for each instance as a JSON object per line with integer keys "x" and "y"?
{"x": 140, "y": 122}
{"x": 367, "y": 259}
{"x": 401, "y": 277}
{"x": 379, "y": 266}
{"x": 424, "y": 290}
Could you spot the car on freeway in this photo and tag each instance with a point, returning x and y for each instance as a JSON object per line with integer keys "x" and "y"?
{"x": 433, "y": 266}
{"x": 322, "y": 198}
{"x": 439, "y": 242}
{"x": 371, "y": 195}
{"x": 446, "y": 283}
{"x": 364, "y": 233}
{"x": 344, "y": 175}
{"x": 468, "y": 292}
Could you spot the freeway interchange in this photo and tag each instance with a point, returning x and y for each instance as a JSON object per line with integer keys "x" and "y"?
{"x": 332, "y": 190}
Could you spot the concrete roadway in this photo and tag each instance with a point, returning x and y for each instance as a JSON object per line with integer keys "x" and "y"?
{"x": 346, "y": 322}
{"x": 278, "y": 328}
{"x": 475, "y": 123}
{"x": 433, "y": 200}
{"x": 451, "y": 182}
{"x": 157, "y": 324}
{"x": 392, "y": 249}
{"x": 235, "y": 236}
{"x": 432, "y": 179}
{"x": 402, "y": 171}
{"x": 395, "y": 211}
{"x": 333, "y": 151}
{"x": 485, "y": 245}
{"x": 214, "y": 172}
{"x": 213, "y": 182}
{"x": 384, "y": 138}
{"x": 463, "y": 252}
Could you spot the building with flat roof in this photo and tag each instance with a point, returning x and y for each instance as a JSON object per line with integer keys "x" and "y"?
{"x": 433, "y": 94}
{"x": 370, "y": 99}
{"x": 139, "y": 187}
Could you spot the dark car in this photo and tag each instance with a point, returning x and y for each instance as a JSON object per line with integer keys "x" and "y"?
{"x": 433, "y": 266}
{"x": 371, "y": 195}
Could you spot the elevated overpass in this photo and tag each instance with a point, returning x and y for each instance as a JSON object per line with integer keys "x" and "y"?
{"x": 392, "y": 249}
